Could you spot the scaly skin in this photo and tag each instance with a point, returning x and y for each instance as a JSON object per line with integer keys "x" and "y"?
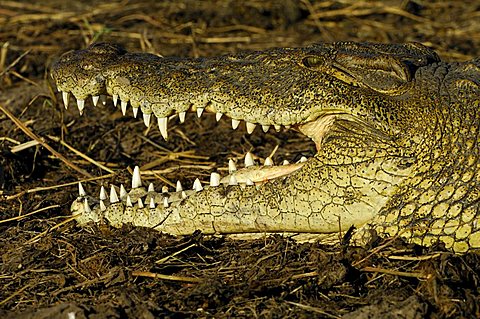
{"x": 396, "y": 129}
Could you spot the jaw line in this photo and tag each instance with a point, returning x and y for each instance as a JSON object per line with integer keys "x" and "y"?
{"x": 316, "y": 129}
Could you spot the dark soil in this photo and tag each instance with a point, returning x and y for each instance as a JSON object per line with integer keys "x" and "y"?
{"x": 50, "y": 268}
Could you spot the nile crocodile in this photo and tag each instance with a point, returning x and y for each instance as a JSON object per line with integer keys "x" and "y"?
{"x": 396, "y": 131}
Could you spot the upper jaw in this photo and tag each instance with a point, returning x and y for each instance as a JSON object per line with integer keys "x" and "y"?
{"x": 244, "y": 87}
{"x": 168, "y": 86}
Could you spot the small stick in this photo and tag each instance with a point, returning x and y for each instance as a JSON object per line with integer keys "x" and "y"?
{"x": 312, "y": 309}
{"x": 82, "y": 155}
{"x": 415, "y": 258}
{"x": 33, "y": 136}
{"x": 164, "y": 259}
{"x": 32, "y": 240}
{"x": 46, "y": 188}
{"x": 19, "y": 291}
{"x": 28, "y": 214}
{"x": 11, "y": 65}
{"x": 165, "y": 277}
{"x": 418, "y": 275}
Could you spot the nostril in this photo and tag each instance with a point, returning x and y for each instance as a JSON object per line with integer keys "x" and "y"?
{"x": 86, "y": 66}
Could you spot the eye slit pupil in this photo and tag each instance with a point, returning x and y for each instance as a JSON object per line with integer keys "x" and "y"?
{"x": 311, "y": 61}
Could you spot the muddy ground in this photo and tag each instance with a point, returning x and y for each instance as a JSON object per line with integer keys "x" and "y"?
{"x": 50, "y": 267}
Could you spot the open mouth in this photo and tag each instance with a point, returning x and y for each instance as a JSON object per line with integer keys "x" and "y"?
{"x": 91, "y": 74}
{"x": 251, "y": 173}
{"x": 153, "y": 86}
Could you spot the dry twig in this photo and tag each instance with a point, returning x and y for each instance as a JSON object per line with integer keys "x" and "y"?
{"x": 165, "y": 277}
{"x": 41, "y": 141}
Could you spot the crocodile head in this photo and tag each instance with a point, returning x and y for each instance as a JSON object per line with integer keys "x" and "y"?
{"x": 373, "y": 111}
{"x": 308, "y": 88}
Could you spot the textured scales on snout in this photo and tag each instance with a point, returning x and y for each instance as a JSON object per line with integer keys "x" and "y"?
{"x": 396, "y": 131}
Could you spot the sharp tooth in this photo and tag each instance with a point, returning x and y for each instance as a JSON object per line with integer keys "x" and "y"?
{"x": 102, "y": 206}
{"x": 179, "y": 187}
{"x": 165, "y": 189}
{"x": 65, "y": 96}
{"x": 249, "y": 160}
{"x": 303, "y": 159}
{"x": 184, "y": 195}
{"x": 129, "y": 201}
{"x": 151, "y": 188}
{"x": 233, "y": 180}
{"x": 140, "y": 203}
{"x": 218, "y": 116}
{"x": 199, "y": 111}
{"x": 81, "y": 190}
{"x": 115, "y": 99}
{"x": 95, "y": 99}
{"x": 265, "y": 128}
{"x": 277, "y": 128}
{"x": 135, "y": 111}
{"x": 288, "y": 126}
{"x": 250, "y": 127}
{"x": 231, "y": 166}
{"x": 146, "y": 119}
{"x": 103, "y": 99}
{"x": 235, "y": 123}
{"x": 249, "y": 182}
{"x": 80, "y": 105}
{"x": 152, "y": 203}
{"x": 124, "y": 107}
{"x": 113, "y": 195}
{"x": 197, "y": 186}
{"x": 181, "y": 116}
{"x": 136, "y": 178}
{"x": 268, "y": 161}
{"x": 103, "y": 193}
{"x": 123, "y": 191}
{"x": 165, "y": 202}
{"x": 162, "y": 125}
{"x": 86, "y": 207}
{"x": 214, "y": 179}
{"x": 285, "y": 162}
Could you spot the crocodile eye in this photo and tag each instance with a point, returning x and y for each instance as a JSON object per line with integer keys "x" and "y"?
{"x": 318, "y": 63}
{"x": 311, "y": 61}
